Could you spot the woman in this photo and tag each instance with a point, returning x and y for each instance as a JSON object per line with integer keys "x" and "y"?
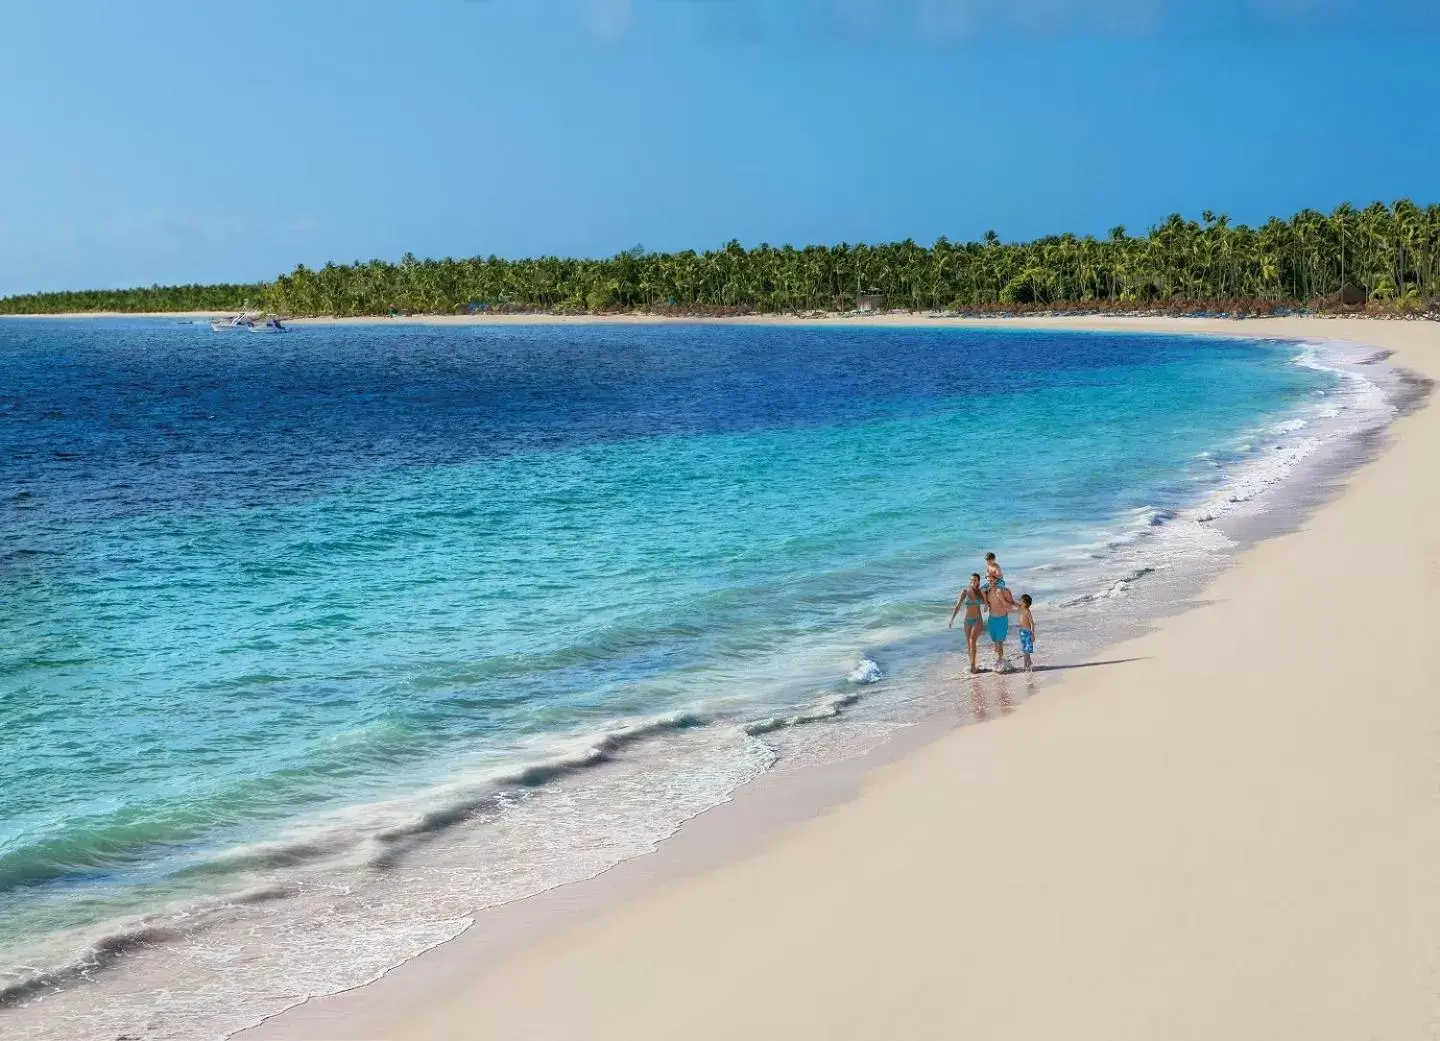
{"x": 972, "y": 600}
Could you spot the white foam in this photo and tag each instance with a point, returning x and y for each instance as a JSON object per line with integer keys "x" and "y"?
{"x": 1289, "y": 426}
{"x": 868, "y": 671}
{"x": 1153, "y": 539}
{"x": 347, "y": 925}
{"x": 825, "y": 709}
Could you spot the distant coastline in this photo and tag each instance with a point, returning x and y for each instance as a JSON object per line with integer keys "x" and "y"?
{"x": 1383, "y": 259}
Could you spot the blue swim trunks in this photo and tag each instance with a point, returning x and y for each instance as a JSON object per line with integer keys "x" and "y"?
{"x": 1027, "y": 641}
{"x": 999, "y": 627}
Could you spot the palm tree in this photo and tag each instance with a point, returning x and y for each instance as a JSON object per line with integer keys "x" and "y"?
{"x": 1393, "y": 252}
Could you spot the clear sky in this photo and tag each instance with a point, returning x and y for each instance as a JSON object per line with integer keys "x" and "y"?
{"x": 177, "y": 140}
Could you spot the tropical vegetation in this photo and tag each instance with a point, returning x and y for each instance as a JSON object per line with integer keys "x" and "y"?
{"x": 1385, "y": 257}
{"x": 131, "y": 301}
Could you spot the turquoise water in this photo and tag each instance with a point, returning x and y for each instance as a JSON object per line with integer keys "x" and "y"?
{"x": 253, "y": 587}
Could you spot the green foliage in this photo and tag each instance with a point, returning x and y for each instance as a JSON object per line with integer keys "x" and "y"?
{"x": 1384, "y": 254}
{"x": 1028, "y": 287}
{"x": 131, "y": 301}
{"x": 601, "y": 297}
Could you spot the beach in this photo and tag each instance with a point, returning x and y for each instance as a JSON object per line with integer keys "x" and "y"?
{"x": 1225, "y": 828}
{"x": 655, "y": 573}
{"x": 417, "y": 563}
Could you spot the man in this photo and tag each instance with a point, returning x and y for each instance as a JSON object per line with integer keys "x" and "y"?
{"x": 999, "y": 602}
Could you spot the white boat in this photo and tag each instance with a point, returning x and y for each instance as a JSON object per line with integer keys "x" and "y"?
{"x": 242, "y": 322}
{"x": 245, "y": 323}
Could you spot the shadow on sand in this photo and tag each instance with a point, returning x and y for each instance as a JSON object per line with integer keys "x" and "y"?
{"x": 1086, "y": 665}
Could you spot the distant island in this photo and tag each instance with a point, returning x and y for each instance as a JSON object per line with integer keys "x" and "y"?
{"x": 1380, "y": 258}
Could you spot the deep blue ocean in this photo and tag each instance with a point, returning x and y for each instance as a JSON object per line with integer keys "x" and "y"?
{"x": 274, "y": 603}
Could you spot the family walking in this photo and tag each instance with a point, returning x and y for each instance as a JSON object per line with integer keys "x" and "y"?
{"x": 993, "y": 598}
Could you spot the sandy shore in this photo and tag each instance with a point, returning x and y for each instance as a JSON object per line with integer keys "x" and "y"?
{"x": 1231, "y": 832}
{"x": 897, "y": 319}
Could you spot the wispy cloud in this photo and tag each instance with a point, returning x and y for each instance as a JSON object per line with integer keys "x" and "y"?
{"x": 609, "y": 19}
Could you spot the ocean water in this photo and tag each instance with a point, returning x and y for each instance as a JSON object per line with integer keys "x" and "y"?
{"x": 310, "y": 646}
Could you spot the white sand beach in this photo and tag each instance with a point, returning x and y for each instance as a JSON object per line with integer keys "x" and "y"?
{"x": 1230, "y": 832}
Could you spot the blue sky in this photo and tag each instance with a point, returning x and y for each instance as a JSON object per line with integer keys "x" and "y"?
{"x": 171, "y": 140}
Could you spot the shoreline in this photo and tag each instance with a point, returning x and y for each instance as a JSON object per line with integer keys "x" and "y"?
{"x": 757, "y": 830}
{"x": 898, "y": 319}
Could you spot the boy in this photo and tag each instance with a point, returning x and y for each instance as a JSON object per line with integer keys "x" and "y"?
{"x": 993, "y": 575}
{"x": 1027, "y": 630}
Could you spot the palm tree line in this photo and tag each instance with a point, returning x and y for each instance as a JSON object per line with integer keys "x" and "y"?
{"x": 222, "y": 297}
{"x": 1385, "y": 257}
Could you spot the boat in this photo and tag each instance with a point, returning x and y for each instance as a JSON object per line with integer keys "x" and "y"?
{"x": 244, "y": 322}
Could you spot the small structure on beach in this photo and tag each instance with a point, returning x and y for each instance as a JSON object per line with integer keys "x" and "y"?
{"x": 871, "y": 301}
{"x": 1346, "y": 296}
